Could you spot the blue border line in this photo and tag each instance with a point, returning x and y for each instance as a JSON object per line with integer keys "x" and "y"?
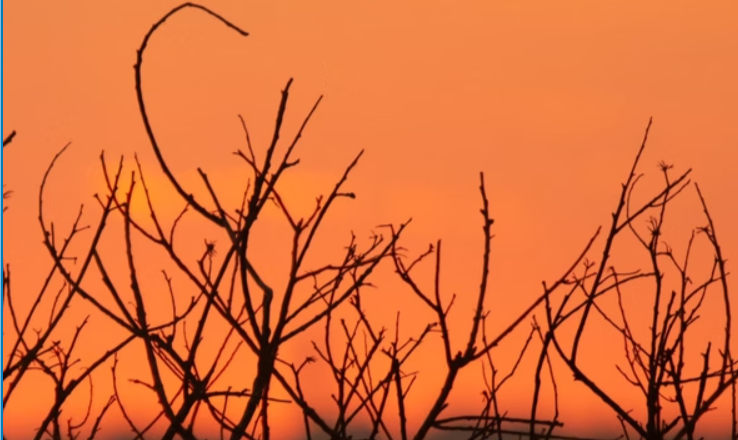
{"x": 2, "y": 203}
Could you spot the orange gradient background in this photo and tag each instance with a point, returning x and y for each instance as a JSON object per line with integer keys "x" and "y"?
{"x": 549, "y": 99}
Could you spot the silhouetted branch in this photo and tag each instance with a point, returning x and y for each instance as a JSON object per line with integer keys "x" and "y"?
{"x": 369, "y": 370}
{"x": 9, "y": 139}
{"x": 657, "y": 364}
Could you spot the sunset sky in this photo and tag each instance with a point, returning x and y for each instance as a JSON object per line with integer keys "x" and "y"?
{"x": 549, "y": 99}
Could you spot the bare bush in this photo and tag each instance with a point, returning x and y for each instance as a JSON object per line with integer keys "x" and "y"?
{"x": 656, "y": 366}
{"x": 367, "y": 366}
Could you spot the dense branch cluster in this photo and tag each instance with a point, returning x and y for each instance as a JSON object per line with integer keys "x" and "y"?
{"x": 367, "y": 364}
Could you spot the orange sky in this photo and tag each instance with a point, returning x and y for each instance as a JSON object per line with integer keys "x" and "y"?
{"x": 549, "y": 99}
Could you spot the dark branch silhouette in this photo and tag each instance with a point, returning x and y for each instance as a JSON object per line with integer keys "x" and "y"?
{"x": 368, "y": 367}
